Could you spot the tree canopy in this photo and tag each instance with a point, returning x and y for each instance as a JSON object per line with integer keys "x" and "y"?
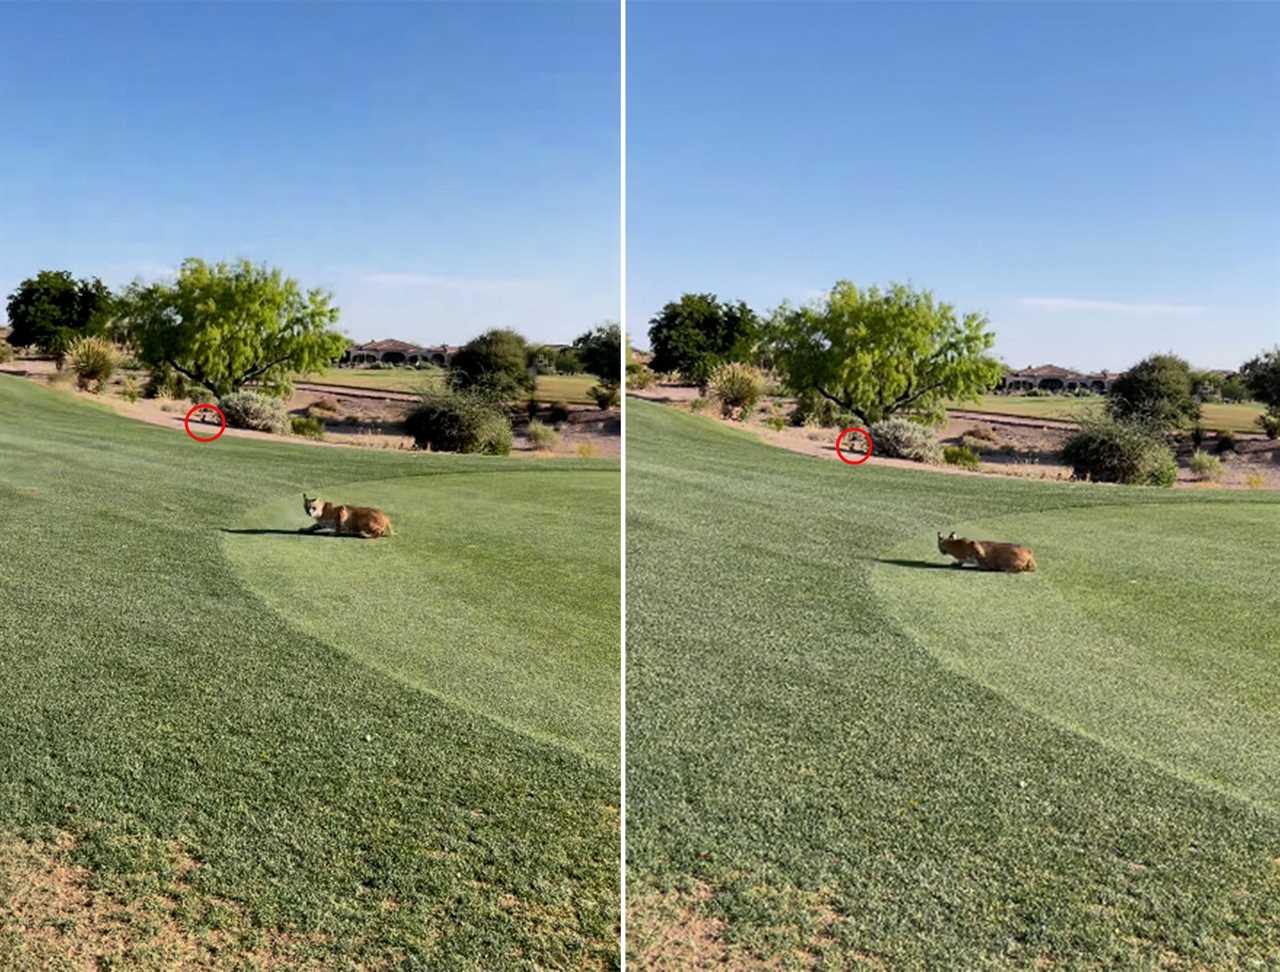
{"x": 698, "y": 332}
{"x": 1157, "y": 390}
{"x": 226, "y": 324}
{"x": 494, "y": 364}
{"x": 53, "y": 309}
{"x": 875, "y": 352}
{"x": 600, "y": 351}
{"x": 1261, "y": 376}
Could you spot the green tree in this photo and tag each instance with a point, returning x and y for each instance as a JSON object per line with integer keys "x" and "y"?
{"x": 1206, "y": 386}
{"x": 541, "y": 358}
{"x": 224, "y": 325}
{"x": 494, "y": 364}
{"x": 1156, "y": 391}
{"x": 568, "y": 362}
{"x": 1261, "y": 376}
{"x": 875, "y": 352}
{"x": 1234, "y": 389}
{"x": 698, "y": 332}
{"x": 600, "y": 351}
{"x": 52, "y": 309}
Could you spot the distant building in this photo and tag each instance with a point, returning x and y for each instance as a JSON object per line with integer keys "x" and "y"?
{"x": 1051, "y": 378}
{"x": 389, "y": 351}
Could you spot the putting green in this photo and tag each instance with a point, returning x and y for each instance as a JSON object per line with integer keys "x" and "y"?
{"x": 476, "y": 597}
{"x": 1123, "y": 635}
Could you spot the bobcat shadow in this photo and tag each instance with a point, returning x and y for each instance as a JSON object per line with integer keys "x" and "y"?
{"x": 914, "y": 564}
{"x": 302, "y": 532}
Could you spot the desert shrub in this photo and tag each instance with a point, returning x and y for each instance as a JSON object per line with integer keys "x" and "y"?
{"x": 542, "y": 436}
{"x": 307, "y": 425}
{"x": 1269, "y": 422}
{"x": 1156, "y": 391}
{"x": 1254, "y": 480}
{"x": 376, "y": 366}
{"x": 605, "y": 395}
{"x": 1035, "y": 393}
{"x": 6, "y": 351}
{"x": 1226, "y": 441}
{"x": 640, "y": 376}
{"x": 585, "y": 450}
{"x": 558, "y": 412}
{"x": 698, "y": 404}
{"x": 1109, "y": 451}
{"x": 459, "y": 421}
{"x": 901, "y": 438}
{"x": 329, "y": 405}
{"x": 1204, "y": 465}
{"x": 775, "y": 419}
{"x": 129, "y": 390}
{"x": 737, "y": 387}
{"x": 974, "y": 444}
{"x": 981, "y": 432}
{"x": 164, "y": 382}
{"x": 93, "y": 359}
{"x": 812, "y": 409}
{"x": 961, "y": 455}
{"x": 250, "y": 410}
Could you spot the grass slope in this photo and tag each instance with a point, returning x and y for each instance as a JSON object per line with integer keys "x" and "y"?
{"x": 254, "y": 776}
{"x": 1214, "y": 416}
{"x": 808, "y": 782}
{"x": 551, "y": 388}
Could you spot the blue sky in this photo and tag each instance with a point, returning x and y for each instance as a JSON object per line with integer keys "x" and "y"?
{"x": 1103, "y": 180}
{"x": 442, "y": 168}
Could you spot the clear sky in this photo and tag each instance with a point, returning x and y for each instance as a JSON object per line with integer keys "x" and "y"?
{"x": 1103, "y": 180}
{"x": 442, "y": 168}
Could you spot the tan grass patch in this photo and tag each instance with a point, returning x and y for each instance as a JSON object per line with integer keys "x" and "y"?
{"x": 53, "y": 917}
{"x": 677, "y": 929}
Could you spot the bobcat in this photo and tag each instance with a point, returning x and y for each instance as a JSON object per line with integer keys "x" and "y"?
{"x": 987, "y": 554}
{"x": 362, "y": 521}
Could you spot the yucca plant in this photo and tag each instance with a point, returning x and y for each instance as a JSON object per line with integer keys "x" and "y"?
{"x": 93, "y": 359}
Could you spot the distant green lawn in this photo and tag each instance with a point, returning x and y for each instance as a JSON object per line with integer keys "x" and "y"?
{"x": 398, "y": 753}
{"x": 551, "y": 388}
{"x": 855, "y": 756}
{"x": 1234, "y": 418}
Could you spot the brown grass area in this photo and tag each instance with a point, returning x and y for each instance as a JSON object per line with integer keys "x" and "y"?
{"x": 682, "y": 929}
{"x": 54, "y": 918}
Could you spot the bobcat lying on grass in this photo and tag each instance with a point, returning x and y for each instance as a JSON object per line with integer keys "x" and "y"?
{"x": 987, "y": 554}
{"x": 361, "y": 521}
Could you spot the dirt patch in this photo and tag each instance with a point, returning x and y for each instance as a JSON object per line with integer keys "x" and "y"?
{"x": 670, "y": 930}
{"x": 54, "y": 915}
{"x": 684, "y": 928}
{"x": 1007, "y": 446}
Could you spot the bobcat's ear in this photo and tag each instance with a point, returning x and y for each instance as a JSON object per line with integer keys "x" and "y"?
{"x": 953, "y": 535}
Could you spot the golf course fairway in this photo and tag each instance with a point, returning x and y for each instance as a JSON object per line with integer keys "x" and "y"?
{"x": 269, "y": 750}
{"x": 843, "y": 753}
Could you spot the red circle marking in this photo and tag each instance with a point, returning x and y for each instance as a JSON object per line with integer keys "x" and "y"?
{"x": 186, "y": 422}
{"x": 862, "y": 432}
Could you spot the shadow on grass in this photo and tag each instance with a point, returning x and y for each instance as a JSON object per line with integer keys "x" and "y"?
{"x": 919, "y": 564}
{"x": 301, "y": 532}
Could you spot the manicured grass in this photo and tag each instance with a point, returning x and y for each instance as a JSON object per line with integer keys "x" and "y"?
{"x": 1234, "y": 418}
{"x": 551, "y": 388}
{"x": 839, "y": 756}
{"x": 311, "y": 746}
